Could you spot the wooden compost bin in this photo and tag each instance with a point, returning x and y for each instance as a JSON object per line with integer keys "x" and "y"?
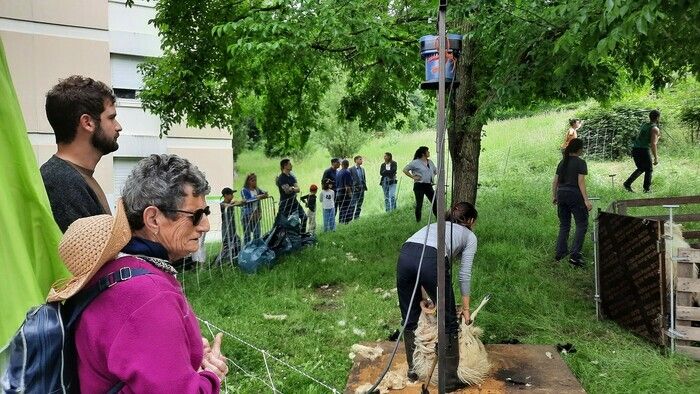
{"x": 632, "y": 278}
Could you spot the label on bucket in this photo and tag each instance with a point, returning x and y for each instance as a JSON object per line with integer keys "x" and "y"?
{"x": 432, "y": 67}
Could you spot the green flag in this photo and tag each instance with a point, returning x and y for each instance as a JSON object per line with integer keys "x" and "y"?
{"x": 29, "y": 261}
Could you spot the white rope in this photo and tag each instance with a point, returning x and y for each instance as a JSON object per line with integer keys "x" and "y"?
{"x": 268, "y": 354}
{"x": 251, "y": 375}
{"x": 269, "y": 374}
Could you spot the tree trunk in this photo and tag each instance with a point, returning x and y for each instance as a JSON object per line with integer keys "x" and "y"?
{"x": 465, "y": 128}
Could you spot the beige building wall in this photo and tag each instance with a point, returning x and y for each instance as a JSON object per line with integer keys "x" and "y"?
{"x": 46, "y": 40}
{"x": 80, "y": 13}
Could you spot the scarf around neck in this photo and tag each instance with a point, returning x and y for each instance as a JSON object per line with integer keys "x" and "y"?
{"x": 152, "y": 252}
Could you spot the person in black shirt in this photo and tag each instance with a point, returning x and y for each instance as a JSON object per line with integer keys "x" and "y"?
{"x": 331, "y": 172}
{"x": 387, "y": 172}
{"x": 570, "y": 196}
{"x": 288, "y": 188}
{"x": 310, "y": 201}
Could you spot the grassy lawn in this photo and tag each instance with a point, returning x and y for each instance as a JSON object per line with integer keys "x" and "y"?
{"x": 330, "y": 291}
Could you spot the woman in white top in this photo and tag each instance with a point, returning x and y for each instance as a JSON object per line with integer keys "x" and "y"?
{"x": 422, "y": 170}
{"x": 459, "y": 240}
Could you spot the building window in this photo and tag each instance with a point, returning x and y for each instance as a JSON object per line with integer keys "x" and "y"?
{"x": 125, "y": 93}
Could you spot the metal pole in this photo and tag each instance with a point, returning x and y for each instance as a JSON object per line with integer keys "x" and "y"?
{"x": 596, "y": 269}
{"x": 440, "y": 203}
{"x": 672, "y": 308}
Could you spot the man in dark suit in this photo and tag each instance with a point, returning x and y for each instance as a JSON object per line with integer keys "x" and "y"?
{"x": 344, "y": 193}
{"x": 359, "y": 182}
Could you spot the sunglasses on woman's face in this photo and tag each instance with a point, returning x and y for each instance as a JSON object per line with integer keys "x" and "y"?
{"x": 196, "y": 215}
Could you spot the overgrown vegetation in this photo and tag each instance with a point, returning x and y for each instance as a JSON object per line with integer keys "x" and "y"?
{"x": 690, "y": 117}
{"x": 609, "y": 132}
{"x": 329, "y": 292}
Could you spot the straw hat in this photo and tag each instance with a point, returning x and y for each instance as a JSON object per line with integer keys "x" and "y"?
{"x": 86, "y": 246}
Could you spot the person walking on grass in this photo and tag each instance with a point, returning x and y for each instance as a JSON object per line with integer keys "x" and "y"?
{"x": 570, "y": 196}
{"x": 310, "y": 201}
{"x": 359, "y": 182}
{"x": 574, "y": 125}
{"x": 422, "y": 170}
{"x": 645, "y": 145}
{"x": 459, "y": 241}
{"x": 343, "y": 187}
{"x": 328, "y": 205}
{"x": 387, "y": 172}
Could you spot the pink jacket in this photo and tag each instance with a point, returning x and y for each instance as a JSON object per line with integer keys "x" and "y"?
{"x": 141, "y": 332}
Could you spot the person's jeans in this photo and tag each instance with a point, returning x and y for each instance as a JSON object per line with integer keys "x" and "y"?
{"x": 420, "y": 190}
{"x": 570, "y": 202}
{"x": 642, "y": 160}
{"x": 389, "y": 196}
{"x": 251, "y": 228}
{"x": 358, "y": 197}
{"x": 329, "y": 219}
{"x": 406, "y": 271}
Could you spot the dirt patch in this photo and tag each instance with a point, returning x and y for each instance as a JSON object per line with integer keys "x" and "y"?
{"x": 325, "y": 306}
{"x": 328, "y": 290}
{"x": 327, "y": 294}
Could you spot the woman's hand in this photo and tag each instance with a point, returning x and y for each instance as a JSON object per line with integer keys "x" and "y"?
{"x": 213, "y": 360}
{"x": 466, "y": 316}
{"x": 589, "y": 206}
{"x": 416, "y": 177}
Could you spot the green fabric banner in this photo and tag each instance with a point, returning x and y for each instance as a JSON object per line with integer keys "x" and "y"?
{"x": 29, "y": 261}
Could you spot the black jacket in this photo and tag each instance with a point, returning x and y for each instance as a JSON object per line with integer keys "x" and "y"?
{"x": 388, "y": 175}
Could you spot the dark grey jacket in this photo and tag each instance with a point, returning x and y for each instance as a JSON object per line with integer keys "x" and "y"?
{"x": 357, "y": 185}
{"x": 70, "y": 196}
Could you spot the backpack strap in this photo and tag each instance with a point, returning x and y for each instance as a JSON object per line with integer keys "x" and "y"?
{"x": 116, "y": 388}
{"x": 81, "y": 300}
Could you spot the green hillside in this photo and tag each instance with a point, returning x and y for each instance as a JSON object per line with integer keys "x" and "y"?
{"x": 331, "y": 292}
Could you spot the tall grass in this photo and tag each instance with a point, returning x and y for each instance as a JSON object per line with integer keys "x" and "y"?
{"x": 333, "y": 293}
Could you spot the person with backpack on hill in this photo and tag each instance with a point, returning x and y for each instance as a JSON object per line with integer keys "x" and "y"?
{"x": 645, "y": 145}
{"x": 570, "y": 196}
{"x": 132, "y": 327}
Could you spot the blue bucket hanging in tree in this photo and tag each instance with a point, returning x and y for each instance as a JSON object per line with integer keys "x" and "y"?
{"x": 429, "y": 51}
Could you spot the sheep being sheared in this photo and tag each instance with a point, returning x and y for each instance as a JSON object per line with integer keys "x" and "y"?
{"x": 474, "y": 365}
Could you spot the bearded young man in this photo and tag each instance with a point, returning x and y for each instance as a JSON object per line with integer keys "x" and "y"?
{"x": 83, "y": 117}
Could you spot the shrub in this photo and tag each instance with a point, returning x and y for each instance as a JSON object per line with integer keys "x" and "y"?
{"x": 342, "y": 138}
{"x": 690, "y": 117}
{"x": 608, "y": 133}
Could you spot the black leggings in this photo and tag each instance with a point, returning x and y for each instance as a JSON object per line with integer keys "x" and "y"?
{"x": 406, "y": 271}
{"x": 420, "y": 190}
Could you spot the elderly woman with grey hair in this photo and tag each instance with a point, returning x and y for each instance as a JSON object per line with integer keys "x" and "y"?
{"x": 141, "y": 335}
